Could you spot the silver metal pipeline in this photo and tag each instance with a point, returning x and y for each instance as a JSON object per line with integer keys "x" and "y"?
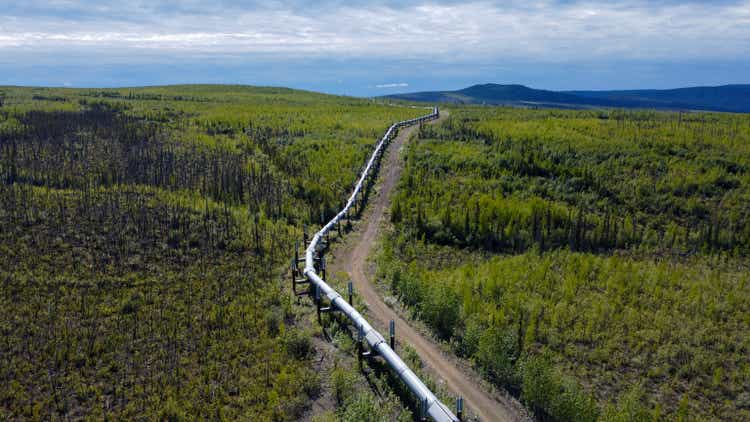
{"x": 430, "y": 404}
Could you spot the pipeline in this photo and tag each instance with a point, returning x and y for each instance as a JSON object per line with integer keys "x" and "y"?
{"x": 430, "y": 404}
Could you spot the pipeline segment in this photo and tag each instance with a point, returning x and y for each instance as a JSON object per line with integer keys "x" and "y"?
{"x": 431, "y": 405}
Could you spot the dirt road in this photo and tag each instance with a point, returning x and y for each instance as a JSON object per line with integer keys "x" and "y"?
{"x": 351, "y": 257}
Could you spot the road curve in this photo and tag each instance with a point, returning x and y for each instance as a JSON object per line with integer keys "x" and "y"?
{"x": 352, "y": 259}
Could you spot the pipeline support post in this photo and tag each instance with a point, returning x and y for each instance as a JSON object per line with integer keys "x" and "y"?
{"x": 392, "y": 330}
{"x": 317, "y": 303}
{"x": 294, "y": 275}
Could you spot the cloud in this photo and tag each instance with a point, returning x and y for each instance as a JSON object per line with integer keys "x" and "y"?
{"x": 393, "y": 85}
{"x": 438, "y": 30}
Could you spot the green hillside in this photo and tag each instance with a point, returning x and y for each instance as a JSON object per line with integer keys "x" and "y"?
{"x": 595, "y": 263}
{"x": 144, "y": 235}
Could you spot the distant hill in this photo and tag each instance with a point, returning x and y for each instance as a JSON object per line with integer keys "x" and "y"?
{"x": 722, "y": 98}
{"x": 731, "y": 98}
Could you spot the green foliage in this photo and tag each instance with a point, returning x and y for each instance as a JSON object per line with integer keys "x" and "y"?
{"x": 289, "y": 154}
{"x": 440, "y": 310}
{"x": 171, "y": 412}
{"x": 509, "y": 180}
{"x": 496, "y": 353}
{"x": 355, "y": 402}
{"x": 365, "y": 408}
{"x": 343, "y": 385}
{"x": 143, "y": 234}
{"x": 629, "y": 408}
{"x": 572, "y": 255}
{"x": 544, "y": 392}
{"x": 298, "y": 344}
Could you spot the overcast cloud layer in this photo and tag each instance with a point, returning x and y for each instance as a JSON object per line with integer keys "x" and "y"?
{"x": 122, "y": 43}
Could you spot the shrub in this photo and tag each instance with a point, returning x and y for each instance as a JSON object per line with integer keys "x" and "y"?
{"x": 298, "y": 344}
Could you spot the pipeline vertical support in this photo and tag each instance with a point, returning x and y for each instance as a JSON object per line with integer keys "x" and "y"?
{"x": 317, "y": 303}
{"x": 294, "y": 274}
{"x": 323, "y": 266}
{"x": 460, "y": 408}
{"x": 296, "y": 254}
{"x": 350, "y": 287}
{"x": 392, "y": 330}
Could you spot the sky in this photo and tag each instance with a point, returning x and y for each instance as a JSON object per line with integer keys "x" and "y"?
{"x": 368, "y": 48}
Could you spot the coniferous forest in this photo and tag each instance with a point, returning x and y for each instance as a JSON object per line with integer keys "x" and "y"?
{"x": 594, "y": 263}
{"x": 144, "y": 234}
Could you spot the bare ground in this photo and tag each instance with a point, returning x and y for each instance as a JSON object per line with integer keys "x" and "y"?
{"x": 351, "y": 257}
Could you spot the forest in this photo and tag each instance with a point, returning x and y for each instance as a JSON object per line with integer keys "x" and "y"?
{"x": 594, "y": 263}
{"x": 145, "y": 235}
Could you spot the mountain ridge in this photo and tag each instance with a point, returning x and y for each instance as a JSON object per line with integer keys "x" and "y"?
{"x": 724, "y": 98}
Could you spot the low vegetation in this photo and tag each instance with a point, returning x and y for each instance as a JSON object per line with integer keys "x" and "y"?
{"x": 592, "y": 262}
{"x": 143, "y": 238}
